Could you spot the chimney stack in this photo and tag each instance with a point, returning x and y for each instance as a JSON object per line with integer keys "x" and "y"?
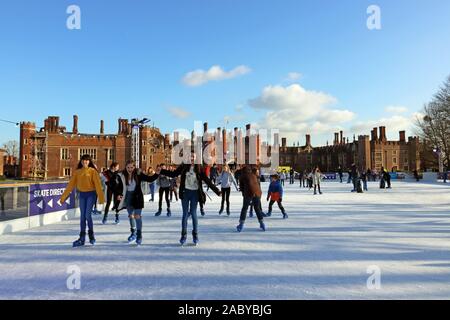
{"x": 283, "y": 142}
{"x": 75, "y": 124}
{"x": 383, "y": 134}
{"x": 342, "y": 137}
{"x": 402, "y": 136}
{"x": 205, "y": 127}
{"x": 308, "y": 140}
{"x": 102, "y": 127}
{"x": 336, "y": 138}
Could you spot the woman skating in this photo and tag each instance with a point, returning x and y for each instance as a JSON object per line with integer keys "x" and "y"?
{"x": 132, "y": 198}
{"x": 191, "y": 193}
{"x": 164, "y": 192}
{"x": 86, "y": 180}
{"x": 317, "y": 178}
{"x": 251, "y": 194}
{"x": 225, "y": 179}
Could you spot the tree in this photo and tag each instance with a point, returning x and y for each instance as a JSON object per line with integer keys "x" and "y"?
{"x": 434, "y": 128}
{"x": 12, "y": 148}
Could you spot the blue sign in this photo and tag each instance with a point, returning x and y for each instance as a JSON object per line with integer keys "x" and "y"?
{"x": 330, "y": 176}
{"x": 44, "y": 198}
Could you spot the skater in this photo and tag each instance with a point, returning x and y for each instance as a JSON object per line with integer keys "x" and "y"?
{"x": 341, "y": 174}
{"x": 275, "y": 194}
{"x": 416, "y": 175}
{"x": 225, "y": 179}
{"x": 173, "y": 187}
{"x": 364, "y": 178}
{"x": 251, "y": 193}
{"x": 282, "y": 177}
{"x": 132, "y": 198}
{"x": 310, "y": 180}
{"x": 191, "y": 193}
{"x": 291, "y": 176}
{"x": 164, "y": 192}
{"x": 152, "y": 185}
{"x": 300, "y": 178}
{"x": 86, "y": 180}
{"x": 445, "y": 177}
{"x": 349, "y": 176}
{"x": 110, "y": 179}
{"x": 355, "y": 176}
{"x": 382, "y": 178}
{"x": 317, "y": 177}
{"x": 387, "y": 177}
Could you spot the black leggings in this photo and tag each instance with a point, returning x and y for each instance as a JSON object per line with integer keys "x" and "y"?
{"x": 172, "y": 192}
{"x": 279, "y": 205}
{"x": 226, "y": 197}
{"x": 166, "y": 192}
{"x": 109, "y": 197}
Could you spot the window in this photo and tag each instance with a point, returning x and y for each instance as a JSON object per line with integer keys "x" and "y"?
{"x": 394, "y": 160}
{"x": 111, "y": 155}
{"x": 91, "y": 152}
{"x": 378, "y": 157}
{"x": 64, "y": 154}
{"x": 144, "y": 158}
{"x": 25, "y": 157}
{"x": 67, "y": 172}
{"x": 25, "y": 141}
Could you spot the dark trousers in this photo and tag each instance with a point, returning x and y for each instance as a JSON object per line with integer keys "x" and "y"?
{"x": 317, "y": 188}
{"x": 172, "y": 192}
{"x": 226, "y": 197}
{"x": 109, "y": 198}
{"x": 164, "y": 192}
{"x": 189, "y": 204}
{"x": 87, "y": 202}
{"x": 280, "y": 205}
{"x": 291, "y": 180}
{"x": 256, "y": 201}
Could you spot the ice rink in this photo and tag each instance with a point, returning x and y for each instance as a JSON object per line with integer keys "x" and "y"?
{"x": 323, "y": 251}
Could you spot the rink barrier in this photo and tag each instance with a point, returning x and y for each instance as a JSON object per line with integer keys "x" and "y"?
{"x": 34, "y": 205}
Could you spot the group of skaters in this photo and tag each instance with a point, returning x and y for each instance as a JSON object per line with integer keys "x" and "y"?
{"x": 124, "y": 191}
{"x": 311, "y": 180}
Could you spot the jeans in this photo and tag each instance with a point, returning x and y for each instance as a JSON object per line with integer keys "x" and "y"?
{"x": 317, "y": 186}
{"x": 152, "y": 191}
{"x": 87, "y": 202}
{"x": 365, "y": 185}
{"x": 189, "y": 204}
{"x": 256, "y": 201}
{"x": 109, "y": 198}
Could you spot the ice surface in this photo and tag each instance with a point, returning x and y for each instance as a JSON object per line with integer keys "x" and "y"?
{"x": 321, "y": 252}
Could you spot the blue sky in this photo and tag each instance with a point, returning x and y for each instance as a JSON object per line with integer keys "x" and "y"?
{"x": 130, "y": 58}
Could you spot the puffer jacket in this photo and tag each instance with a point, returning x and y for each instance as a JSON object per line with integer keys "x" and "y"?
{"x": 249, "y": 184}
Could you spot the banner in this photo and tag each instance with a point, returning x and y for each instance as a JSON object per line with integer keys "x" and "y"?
{"x": 330, "y": 176}
{"x": 44, "y": 198}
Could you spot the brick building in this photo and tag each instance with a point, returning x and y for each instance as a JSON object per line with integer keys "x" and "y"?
{"x": 53, "y": 152}
{"x": 366, "y": 152}
{"x": 2, "y": 163}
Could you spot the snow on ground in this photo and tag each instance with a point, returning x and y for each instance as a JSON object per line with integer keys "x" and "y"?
{"x": 322, "y": 251}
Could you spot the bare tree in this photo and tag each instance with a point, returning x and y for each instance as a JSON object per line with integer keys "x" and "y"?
{"x": 434, "y": 128}
{"x": 12, "y": 148}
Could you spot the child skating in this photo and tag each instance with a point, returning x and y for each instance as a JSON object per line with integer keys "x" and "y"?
{"x": 275, "y": 194}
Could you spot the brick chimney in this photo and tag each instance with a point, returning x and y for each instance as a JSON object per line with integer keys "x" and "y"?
{"x": 308, "y": 140}
{"x": 383, "y": 134}
{"x": 75, "y": 124}
{"x": 283, "y": 142}
{"x": 205, "y": 127}
{"x": 342, "y": 137}
{"x": 102, "y": 127}
{"x": 336, "y": 138}
{"x": 374, "y": 134}
{"x": 402, "y": 136}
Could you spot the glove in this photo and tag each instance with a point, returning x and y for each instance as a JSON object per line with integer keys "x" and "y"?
{"x": 268, "y": 198}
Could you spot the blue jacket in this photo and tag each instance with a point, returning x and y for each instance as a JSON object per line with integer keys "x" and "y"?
{"x": 275, "y": 187}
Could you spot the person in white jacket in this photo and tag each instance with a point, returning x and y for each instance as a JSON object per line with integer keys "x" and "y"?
{"x": 317, "y": 178}
{"x": 225, "y": 179}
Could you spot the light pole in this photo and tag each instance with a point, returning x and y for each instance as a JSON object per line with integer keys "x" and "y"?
{"x": 438, "y": 152}
{"x": 136, "y": 148}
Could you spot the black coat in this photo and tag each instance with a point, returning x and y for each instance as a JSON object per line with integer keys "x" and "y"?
{"x": 138, "y": 197}
{"x": 201, "y": 177}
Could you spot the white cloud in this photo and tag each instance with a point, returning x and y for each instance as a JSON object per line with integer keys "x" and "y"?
{"x": 215, "y": 73}
{"x": 179, "y": 113}
{"x": 293, "y": 76}
{"x": 393, "y": 125}
{"x": 396, "y": 109}
{"x": 296, "y": 111}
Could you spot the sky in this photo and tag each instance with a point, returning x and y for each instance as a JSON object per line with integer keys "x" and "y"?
{"x": 303, "y": 67}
